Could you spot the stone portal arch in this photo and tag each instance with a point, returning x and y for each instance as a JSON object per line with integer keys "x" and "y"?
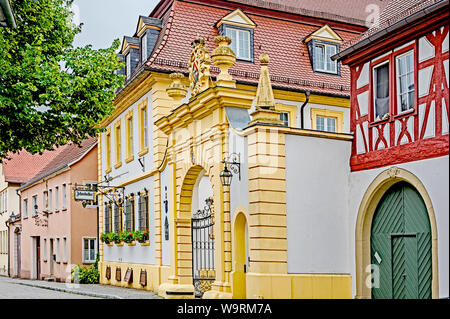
{"x": 379, "y": 186}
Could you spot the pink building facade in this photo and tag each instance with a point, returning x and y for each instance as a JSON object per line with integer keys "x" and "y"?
{"x": 54, "y": 232}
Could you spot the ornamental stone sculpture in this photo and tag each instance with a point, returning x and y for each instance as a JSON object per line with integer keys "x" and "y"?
{"x": 224, "y": 58}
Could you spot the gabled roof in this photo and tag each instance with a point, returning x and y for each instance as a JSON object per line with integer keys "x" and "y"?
{"x": 67, "y": 155}
{"x": 282, "y": 39}
{"x": 20, "y": 167}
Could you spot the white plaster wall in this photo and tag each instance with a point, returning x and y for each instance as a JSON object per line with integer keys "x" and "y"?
{"x": 434, "y": 174}
{"x": 317, "y": 171}
{"x": 132, "y": 169}
{"x": 239, "y": 189}
{"x": 165, "y": 191}
{"x": 136, "y": 254}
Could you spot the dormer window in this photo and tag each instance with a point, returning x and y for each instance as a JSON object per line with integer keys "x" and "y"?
{"x": 322, "y": 45}
{"x": 240, "y": 42}
{"x": 128, "y": 61}
{"x": 130, "y": 50}
{"x": 323, "y": 53}
{"x": 144, "y": 47}
{"x": 239, "y": 28}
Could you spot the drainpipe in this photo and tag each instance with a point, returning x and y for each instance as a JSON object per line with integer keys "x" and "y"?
{"x": 302, "y": 108}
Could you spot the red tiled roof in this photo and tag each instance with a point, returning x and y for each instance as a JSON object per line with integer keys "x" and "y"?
{"x": 393, "y": 12}
{"x": 349, "y": 11}
{"x": 24, "y": 167}
{"x": 290, "y": 65}
{"x": 20, "y": 167}
{"x": 68, "y": 154}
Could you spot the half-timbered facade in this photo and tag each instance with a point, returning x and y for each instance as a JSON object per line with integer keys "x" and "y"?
{"x": 399, "y": 177}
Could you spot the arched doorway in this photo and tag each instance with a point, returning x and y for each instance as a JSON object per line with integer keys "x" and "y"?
{"x": 401, "y": 245}
{"x": 201, "y": 208}
{"x": 240, "y": 256}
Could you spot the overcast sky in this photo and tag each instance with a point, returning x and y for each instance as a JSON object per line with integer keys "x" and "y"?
{"x": 106, "y": 20}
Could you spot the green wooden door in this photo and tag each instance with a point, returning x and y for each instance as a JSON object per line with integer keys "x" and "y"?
{"x": 401, "y": 245}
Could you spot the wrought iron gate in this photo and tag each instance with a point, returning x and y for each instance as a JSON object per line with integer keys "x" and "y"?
{"x": 203, "y": 271}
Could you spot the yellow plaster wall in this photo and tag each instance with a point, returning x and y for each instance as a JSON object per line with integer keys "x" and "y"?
{"x": 298, "y": 286}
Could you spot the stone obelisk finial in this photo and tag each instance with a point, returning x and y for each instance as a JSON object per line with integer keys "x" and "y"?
{"x": 265, "y": 102}
{"x": 264, "y": 93}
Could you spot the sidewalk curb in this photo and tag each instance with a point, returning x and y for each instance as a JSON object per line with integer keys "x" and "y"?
{"x": 91, "y": 294}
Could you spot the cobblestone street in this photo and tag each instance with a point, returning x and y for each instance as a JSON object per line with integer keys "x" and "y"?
{"x": 36, "y": 289}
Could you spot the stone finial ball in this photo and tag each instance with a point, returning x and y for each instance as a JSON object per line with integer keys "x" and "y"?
{"x": 264, "y": 59}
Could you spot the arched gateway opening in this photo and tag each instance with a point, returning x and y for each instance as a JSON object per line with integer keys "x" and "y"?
{"x": 396, "y": 239}
{"x": 197, "y": 200}
{"x": 401, "y": 245}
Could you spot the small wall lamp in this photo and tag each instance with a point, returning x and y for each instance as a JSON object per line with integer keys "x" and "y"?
{"x": 234, "y": 162}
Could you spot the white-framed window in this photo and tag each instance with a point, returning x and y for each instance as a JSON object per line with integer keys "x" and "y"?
{"x": 89, "y": 250}
{"x": 56, "y": 198}
{"x": 57, "y": 250}
{"x": 284, "y": 117}
{"x": 25, "y": 208}
{"x": 405, "y": 81}
{"x": 144, "y": 47}
{"x": 65, "y": 250}
{"x": 45, "y": 249}
{"x": 128, "y": 61}
{"x": 323, "y": 53}
{"x": 50, "y": 200}
{"x": 327, "y": 124}
{"x": 35, "y": 205}
{"x": 64, "y": 196}
{"x": 130, "y": 136}
{"x": 240, "y": 43}
{"x": 381, "y": 91}
{"x": 45, "y": 200}
{"x": 145, "y": 127}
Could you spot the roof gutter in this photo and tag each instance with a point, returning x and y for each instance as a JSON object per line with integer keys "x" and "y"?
{"x": 398, "y": 25}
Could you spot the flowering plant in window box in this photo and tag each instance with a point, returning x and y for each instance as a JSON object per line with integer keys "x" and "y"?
{"x": 127, "y": 237}
{"x": 141, "y": 235}
{"x": 106, "y": 238}
{"x": 115, "y": 237}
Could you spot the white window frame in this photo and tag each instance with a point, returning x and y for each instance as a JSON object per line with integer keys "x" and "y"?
{"x": 25, "y": 208}
{"x": 144, "y": 47}
{"x": 88, "y": 261}
{"x": 326, "y": 124}
{"x": 128, "y": 66}
{"x": 325, "y": 58}
{"x": 64, "y": 250}
{"x": 64, "y": 196}
{"x": 374, "y": 86}
{"x": 56, "y": 198}
{"x": 58, "y": 247}
{"x": 50, "y": 200}
{"x": 35, "y": 203}
{"x": 397, "y": 80}
{"x": 236, "y": 43}
{"x": 45, "y": 249}
{"x": 285, "y": 123}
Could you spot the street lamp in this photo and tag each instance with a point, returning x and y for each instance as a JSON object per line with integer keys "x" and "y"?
{"x": 235, "y": 166}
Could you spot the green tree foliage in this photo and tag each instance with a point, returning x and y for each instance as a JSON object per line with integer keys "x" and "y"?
{"x": 50, "y": 92}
